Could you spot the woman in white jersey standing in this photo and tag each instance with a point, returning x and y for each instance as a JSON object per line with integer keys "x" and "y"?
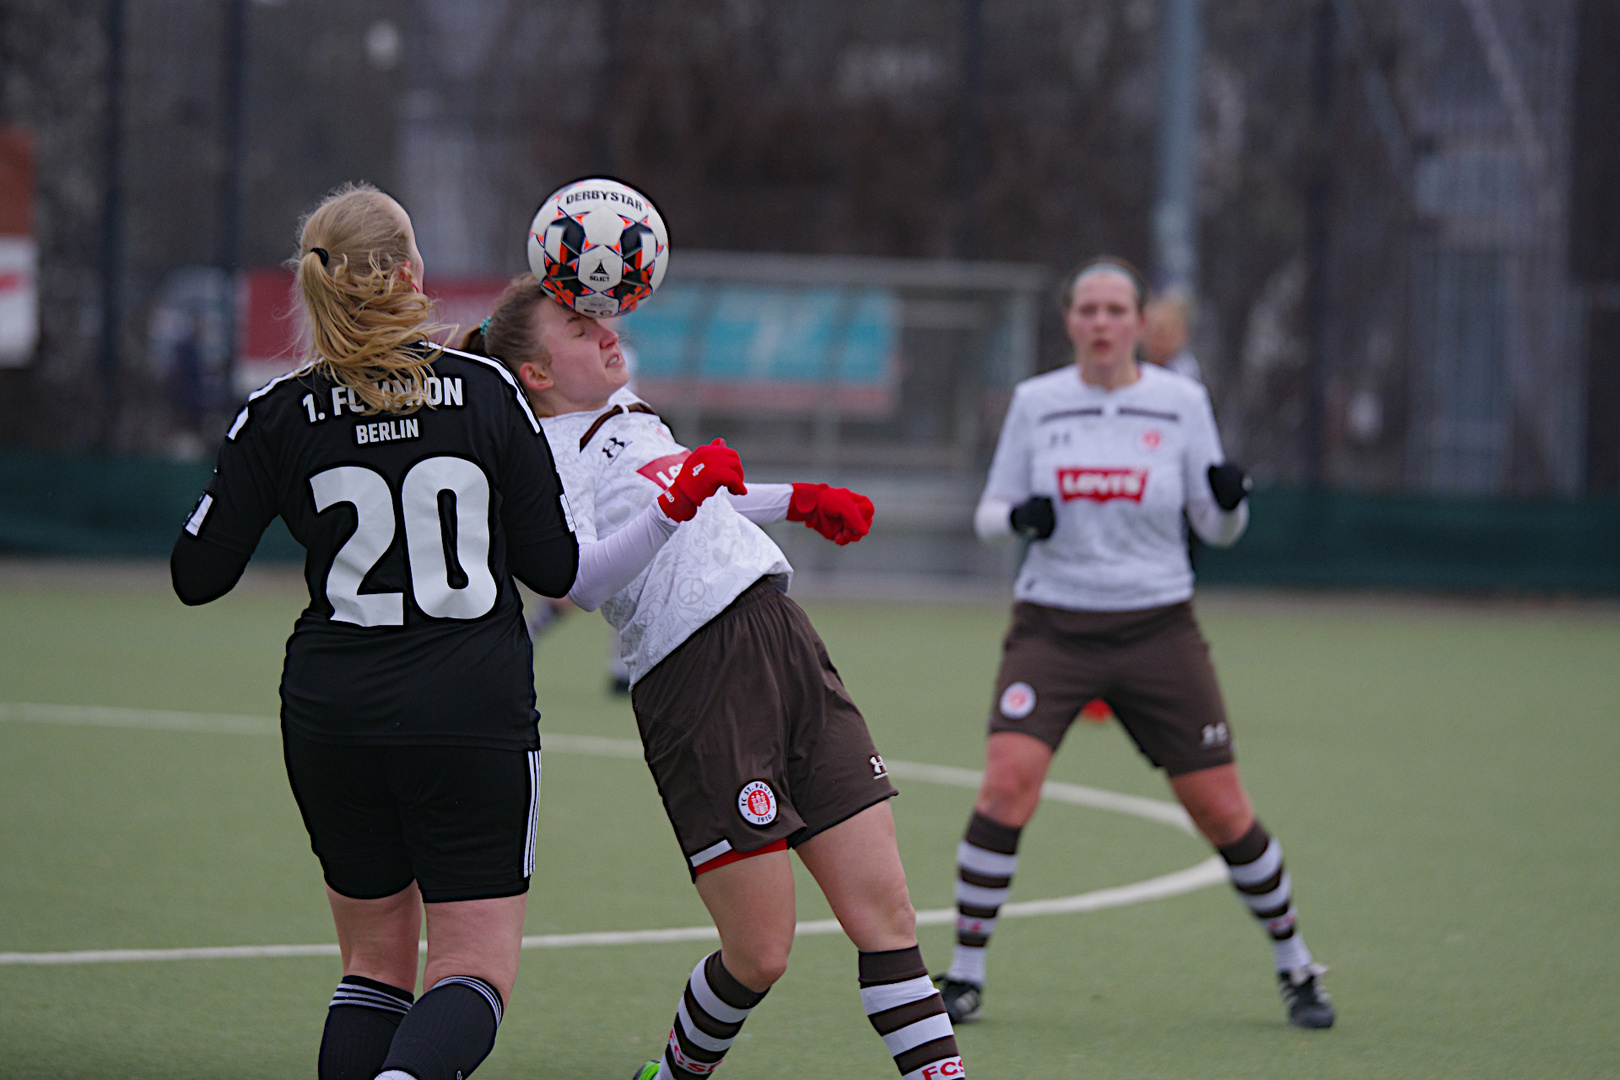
{"x": 754, "y": 744}
{"x": 1096, "y": 465}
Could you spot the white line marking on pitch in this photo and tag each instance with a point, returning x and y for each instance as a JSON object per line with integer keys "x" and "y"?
{"x": 1211, "y": 871}
{"x": 152, "y": 719}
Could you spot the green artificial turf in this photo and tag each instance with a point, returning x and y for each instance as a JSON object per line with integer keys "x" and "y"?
{"x": 1444, "y": 782}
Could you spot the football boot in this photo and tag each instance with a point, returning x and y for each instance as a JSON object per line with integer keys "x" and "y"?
{"x": 964, "y": 1001}
{"x": 1308, "y": 1004}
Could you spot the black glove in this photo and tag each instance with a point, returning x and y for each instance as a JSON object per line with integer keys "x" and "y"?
{"x": 1034, "y": 519}
{"x": 1230, "y": 485}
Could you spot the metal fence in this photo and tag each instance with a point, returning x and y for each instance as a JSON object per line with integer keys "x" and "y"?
{"x": 889, "y": 375}
{"x": 1383, "y": 193}
{"x": 1451, "y": 338}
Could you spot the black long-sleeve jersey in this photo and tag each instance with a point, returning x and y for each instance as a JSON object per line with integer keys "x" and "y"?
{"x": 414, "y": 526}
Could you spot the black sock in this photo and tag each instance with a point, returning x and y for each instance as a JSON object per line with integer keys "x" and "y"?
{"x": 360, "y": 1026}
{"x": 449, "y": 1031}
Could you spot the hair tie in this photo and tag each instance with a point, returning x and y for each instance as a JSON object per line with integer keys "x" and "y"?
{"x": 483, "y": 327}
{"x": 324, "y": 255}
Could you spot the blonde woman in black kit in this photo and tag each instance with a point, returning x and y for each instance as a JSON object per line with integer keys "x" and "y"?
{"x": 420, "y": 483}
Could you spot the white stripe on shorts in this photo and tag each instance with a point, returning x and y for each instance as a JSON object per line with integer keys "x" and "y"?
{"x": 713, "y": 851}
{"x": 533, "y": 836}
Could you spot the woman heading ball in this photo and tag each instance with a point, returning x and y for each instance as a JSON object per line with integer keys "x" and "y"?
{"x": 755, "y": 746}
{"x": 419, "y": 482}
{"x": 1098, "y": 465}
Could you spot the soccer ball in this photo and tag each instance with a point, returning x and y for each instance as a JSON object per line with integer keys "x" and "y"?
{"x": 599, "y": 247}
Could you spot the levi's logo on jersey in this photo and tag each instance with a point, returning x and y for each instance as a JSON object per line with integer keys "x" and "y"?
{"x": 663, "y": 471}
{"x": 1101, "y": 485}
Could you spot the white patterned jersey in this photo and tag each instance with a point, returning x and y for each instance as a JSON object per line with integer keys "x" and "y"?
{"x": 613, "y": 464}
{"x": 1120, "y": 466}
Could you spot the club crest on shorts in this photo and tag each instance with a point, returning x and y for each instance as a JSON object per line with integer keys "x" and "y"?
{"x": 757, "y": 803}
{"x": 1018, "y": 701}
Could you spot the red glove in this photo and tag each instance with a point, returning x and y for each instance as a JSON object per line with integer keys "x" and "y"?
{"x": 705, "y": 471}
{"x": 841, "y": 515}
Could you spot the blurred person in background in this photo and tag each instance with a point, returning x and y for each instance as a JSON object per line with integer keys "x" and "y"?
{"x": 1096, "y": 466}
{"x": 1169, "y": 318}
{"x": 188, "y": 392}
{"x": 408, "y": 717}
{"x": 748, "y": 731}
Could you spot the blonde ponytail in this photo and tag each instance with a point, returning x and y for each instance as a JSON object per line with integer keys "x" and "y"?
{"x": 366, "y": 317}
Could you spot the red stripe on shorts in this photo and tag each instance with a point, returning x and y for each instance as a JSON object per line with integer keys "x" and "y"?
{"x": 736, "y": 856}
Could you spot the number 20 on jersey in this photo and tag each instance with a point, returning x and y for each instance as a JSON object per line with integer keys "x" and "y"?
{"x": 367, "y": 490}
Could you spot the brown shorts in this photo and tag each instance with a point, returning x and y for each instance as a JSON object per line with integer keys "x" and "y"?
{"x": 750, "y": 734}
{"x": 1151, "y": 666}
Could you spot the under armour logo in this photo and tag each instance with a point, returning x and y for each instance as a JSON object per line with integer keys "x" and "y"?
{"x": 1216, "y": 734}
{"x": 612, "y": 447}
{"x": 879, "y": 770}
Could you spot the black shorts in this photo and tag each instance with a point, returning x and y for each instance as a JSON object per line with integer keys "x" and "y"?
{"x": 458, "y": 820}
{"x": 751, "y": 736}
{"x": 1151, "y": 666}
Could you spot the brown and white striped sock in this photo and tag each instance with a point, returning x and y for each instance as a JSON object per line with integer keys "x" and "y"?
{"x": 907, "y": 1011}
{"x": 1255, "y": 863}
{"x": 986, "y": 860}
{"x": 711, "y": 1012}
